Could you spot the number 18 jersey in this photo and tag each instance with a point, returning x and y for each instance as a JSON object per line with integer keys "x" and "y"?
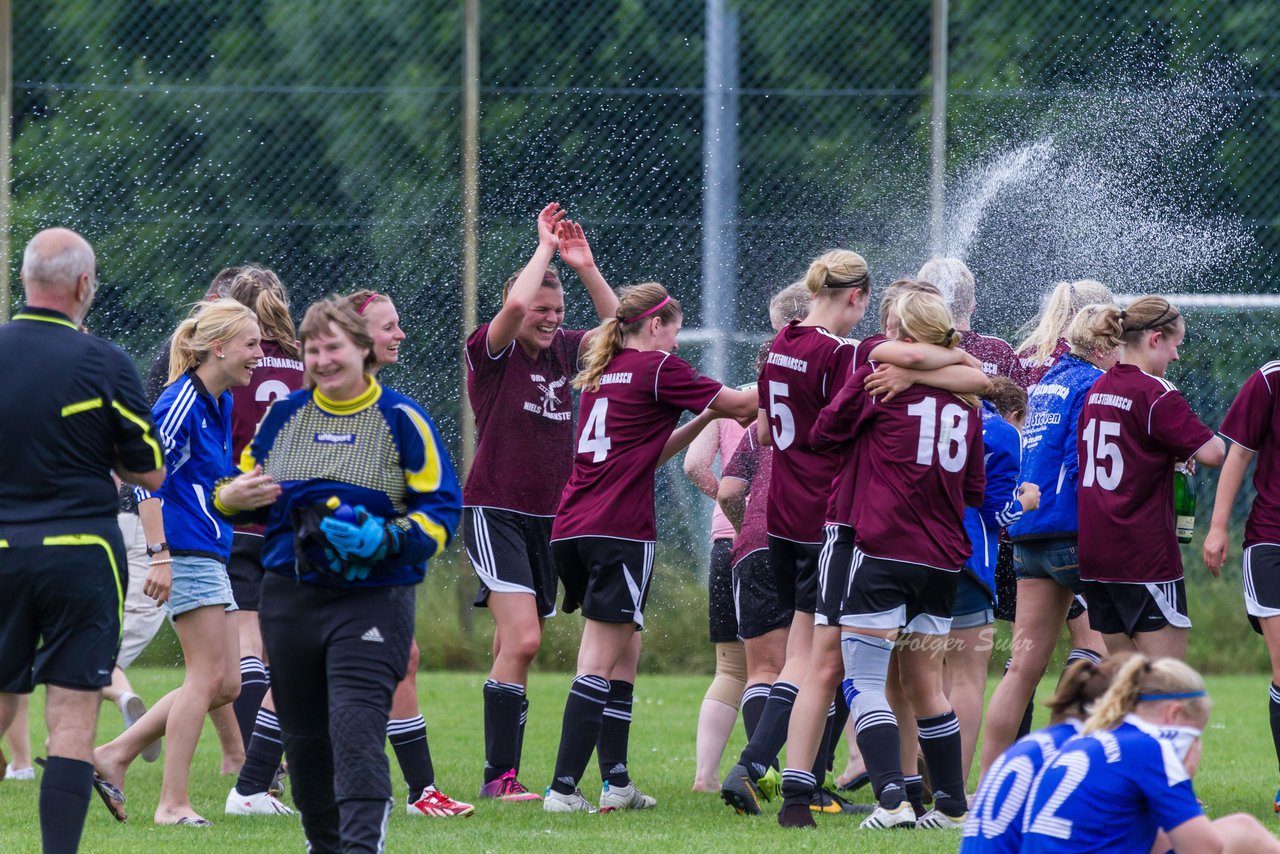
{"x": 805, "y": 368}
{"x": 622, "y": 429}
{"x": 1133, "y": 428}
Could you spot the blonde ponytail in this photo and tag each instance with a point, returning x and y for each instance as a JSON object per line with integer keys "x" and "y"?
{"x": 262, "y": 291}
{"x": 1064, "y": 302}
{"x": 838, "y": 269}
{"x": 1141, "y": 680}
{"x": 208, "y": 324}
{"x": 636, "y": 304}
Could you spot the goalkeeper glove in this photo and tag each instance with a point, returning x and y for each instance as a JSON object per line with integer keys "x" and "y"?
{"x": 366, "y": 540}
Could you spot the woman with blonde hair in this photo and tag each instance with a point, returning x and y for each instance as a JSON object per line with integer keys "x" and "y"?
{"x": 1134, "y": 427}
{"x": 634, "y": 389}
{"x": 216, "y": 348}
{"x": 1124, "y": 785}
{"x": 1045, "y": 341}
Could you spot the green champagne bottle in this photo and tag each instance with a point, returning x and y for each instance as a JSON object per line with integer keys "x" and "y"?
{"x": 1184, "y": 502}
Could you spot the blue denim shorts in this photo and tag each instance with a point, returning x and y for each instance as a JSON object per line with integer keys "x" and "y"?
{"x": 1055, "y": 559}
{"x": 973, "y": 606}
{"x": 197, "y": 583}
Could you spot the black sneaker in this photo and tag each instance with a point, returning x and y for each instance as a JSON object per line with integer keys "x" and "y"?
{"x": 827, "y": 802}
{"x": 740, "y": 791}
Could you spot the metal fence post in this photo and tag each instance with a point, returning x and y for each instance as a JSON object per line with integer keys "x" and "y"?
{"x": 719, "y": 179}
{"x": 470, "y": 208}
{"x": 938, "y": 130}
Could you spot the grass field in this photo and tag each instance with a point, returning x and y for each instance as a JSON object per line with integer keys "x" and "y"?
{"x": 1238, "y": 774}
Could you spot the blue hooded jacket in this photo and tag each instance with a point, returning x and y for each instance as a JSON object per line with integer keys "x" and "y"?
{"x": 1049, "y": 456}
{"x": 999, "y": 507}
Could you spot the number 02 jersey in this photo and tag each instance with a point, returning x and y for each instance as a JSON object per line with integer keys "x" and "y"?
{"x": 1133, "y": 428}
{"x": 622, "y": 429}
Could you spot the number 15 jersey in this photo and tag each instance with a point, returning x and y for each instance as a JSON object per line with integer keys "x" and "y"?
{"x": 622, "y": 429}
{"x": 1133, "y": 428}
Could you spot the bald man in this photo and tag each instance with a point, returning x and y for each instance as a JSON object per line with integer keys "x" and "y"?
{"x": 71, "y": 411}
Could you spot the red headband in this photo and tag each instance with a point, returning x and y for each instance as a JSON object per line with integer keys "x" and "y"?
{"x": 645, "y": 314}
{"x": 372, "y": 297}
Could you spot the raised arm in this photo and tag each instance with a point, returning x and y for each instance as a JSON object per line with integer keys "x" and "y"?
{"x": 685, "y": 433}
{"x": 576, "y": 252}
{"x": 1230, "y": 479}
{"x": 920, "y": 357}
{"x": 506, "y": 323}
{"x": 697, "y": 462}
{"x": 889, "y": 380}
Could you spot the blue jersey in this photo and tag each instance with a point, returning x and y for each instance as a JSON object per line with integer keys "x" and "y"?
{"x": 1049, "y": 456}
{"x": 996, "y": 813}
{"x": 1111, "y": 791}
{"x": 999, "y": 507}
{"x": 380, "y": 451}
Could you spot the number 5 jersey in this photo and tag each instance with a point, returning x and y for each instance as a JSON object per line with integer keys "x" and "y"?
{"x": 1133, "y": 428}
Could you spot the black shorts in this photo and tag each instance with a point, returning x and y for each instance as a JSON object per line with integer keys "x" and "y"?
{"x": 1006, "y": 581}
{"x": 835, "y": 563}
{"x": 608, "y": 578}
{"x": 62, "y": 585}
{"x": 244, "y": 568}
{"x": 1126, "y": 609}
{"x": 755, "y": 597}
{"x": 720, "y": 614}
{"x": 796, "y": 567}
{"x": 511, "y": 553}
{"x": 893, "y": 594}
{"x": 1261, "y": 581}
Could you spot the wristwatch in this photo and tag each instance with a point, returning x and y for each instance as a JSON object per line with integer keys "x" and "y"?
{"x": 152, "y": 551}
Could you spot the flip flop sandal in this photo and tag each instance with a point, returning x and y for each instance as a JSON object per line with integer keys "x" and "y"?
{"x": 112, "y": 797}
{"x": 192, "y": 821}
{"x": 856, "y": 783}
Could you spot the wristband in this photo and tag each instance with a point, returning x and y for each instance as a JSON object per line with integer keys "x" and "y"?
{"x": 157, "y": 548}
{"x": 159, "y": 562}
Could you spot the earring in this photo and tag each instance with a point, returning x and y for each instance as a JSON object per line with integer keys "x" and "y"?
{"x": 220, "y": 355}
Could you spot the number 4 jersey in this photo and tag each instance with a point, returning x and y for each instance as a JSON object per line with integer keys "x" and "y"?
{"x": 1133, "y": 428}
{"x": 622, "y": 429}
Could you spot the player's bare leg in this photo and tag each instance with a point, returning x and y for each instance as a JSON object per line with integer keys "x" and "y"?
{"x": 18, "y": 735}
{"x": 968, "y": 656}
{"x": 1166, "y": 642}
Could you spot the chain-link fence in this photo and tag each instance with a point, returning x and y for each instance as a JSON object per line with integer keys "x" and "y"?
{"x": 1129, "y": 141}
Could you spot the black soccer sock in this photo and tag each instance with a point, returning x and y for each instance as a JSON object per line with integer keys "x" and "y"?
{"x": 771, "y": 733}
{"x": 878, "y": 744}
{"x": 821, "y": 760}
{"x": 915, "y": 793}
{"x": 524, "y": 719}
{"x": 408, "y": 738}
{"x": 502, "y": 704}
{"x": 579, "y": 730}
{"x": 837, "y": 727}
{"x": 615, "y": 734}
{"x": 797, "y": 786}
{"x": 253, "y": 687}
{"x": 1081, "y": 654}
{"x": 262, "y": 756}
{"x": 65, "y": 788}
{"x": 1274, "y": 706}
{"x": 1024, "y": 726}
{"x": 753, "y": 700}
{"x": 940, "y": 741}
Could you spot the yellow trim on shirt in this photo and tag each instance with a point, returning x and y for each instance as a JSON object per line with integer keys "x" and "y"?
{"x": 432, "y": 529}
{"x": 93, "y": 540}
{"x": 366, "y": 399}
{"x": 145, "y": 427}
{"x": 59, "y": 321}
{"x": 82, "y": 406}
{"x": 427, "y": 478}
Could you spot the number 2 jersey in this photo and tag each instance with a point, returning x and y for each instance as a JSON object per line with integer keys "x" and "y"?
{"x": 277, "y": 375}
{"x": 1109, "y": 791}
{"x": 622, "y": 429}
{"x": 920, "y": 463}
{"x": 1133, "y": 428}
{"x": 998, "y": 808}
{"x": 805, "y": 368}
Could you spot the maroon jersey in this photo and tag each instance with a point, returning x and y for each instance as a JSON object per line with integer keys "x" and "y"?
{"x": 622, "y": 430}
{"x": 994, "y": 353}
{"x": 1252, "y": 423}
{"x": 276, "y": 375}
{"x": 840, "y": 504}
{"x": 805, "y": 367}
{"x": 1133, "y": 428}
{"x": 920, "y": 463}
{"x": 754, "y": 465}
{"x": 524, "y": 423}
{"x": 1028, "y": 370}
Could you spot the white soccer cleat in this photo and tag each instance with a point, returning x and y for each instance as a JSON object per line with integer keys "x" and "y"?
{"x": 883, "y": 819}
{"x": 262, "y": 803}
{"x": 626, "y": 797}
{"x": 553, "y": 801}
{"x": 937, "y": 818}
{"x": 436, "y": 804}
{"x": 11, "y": 773}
